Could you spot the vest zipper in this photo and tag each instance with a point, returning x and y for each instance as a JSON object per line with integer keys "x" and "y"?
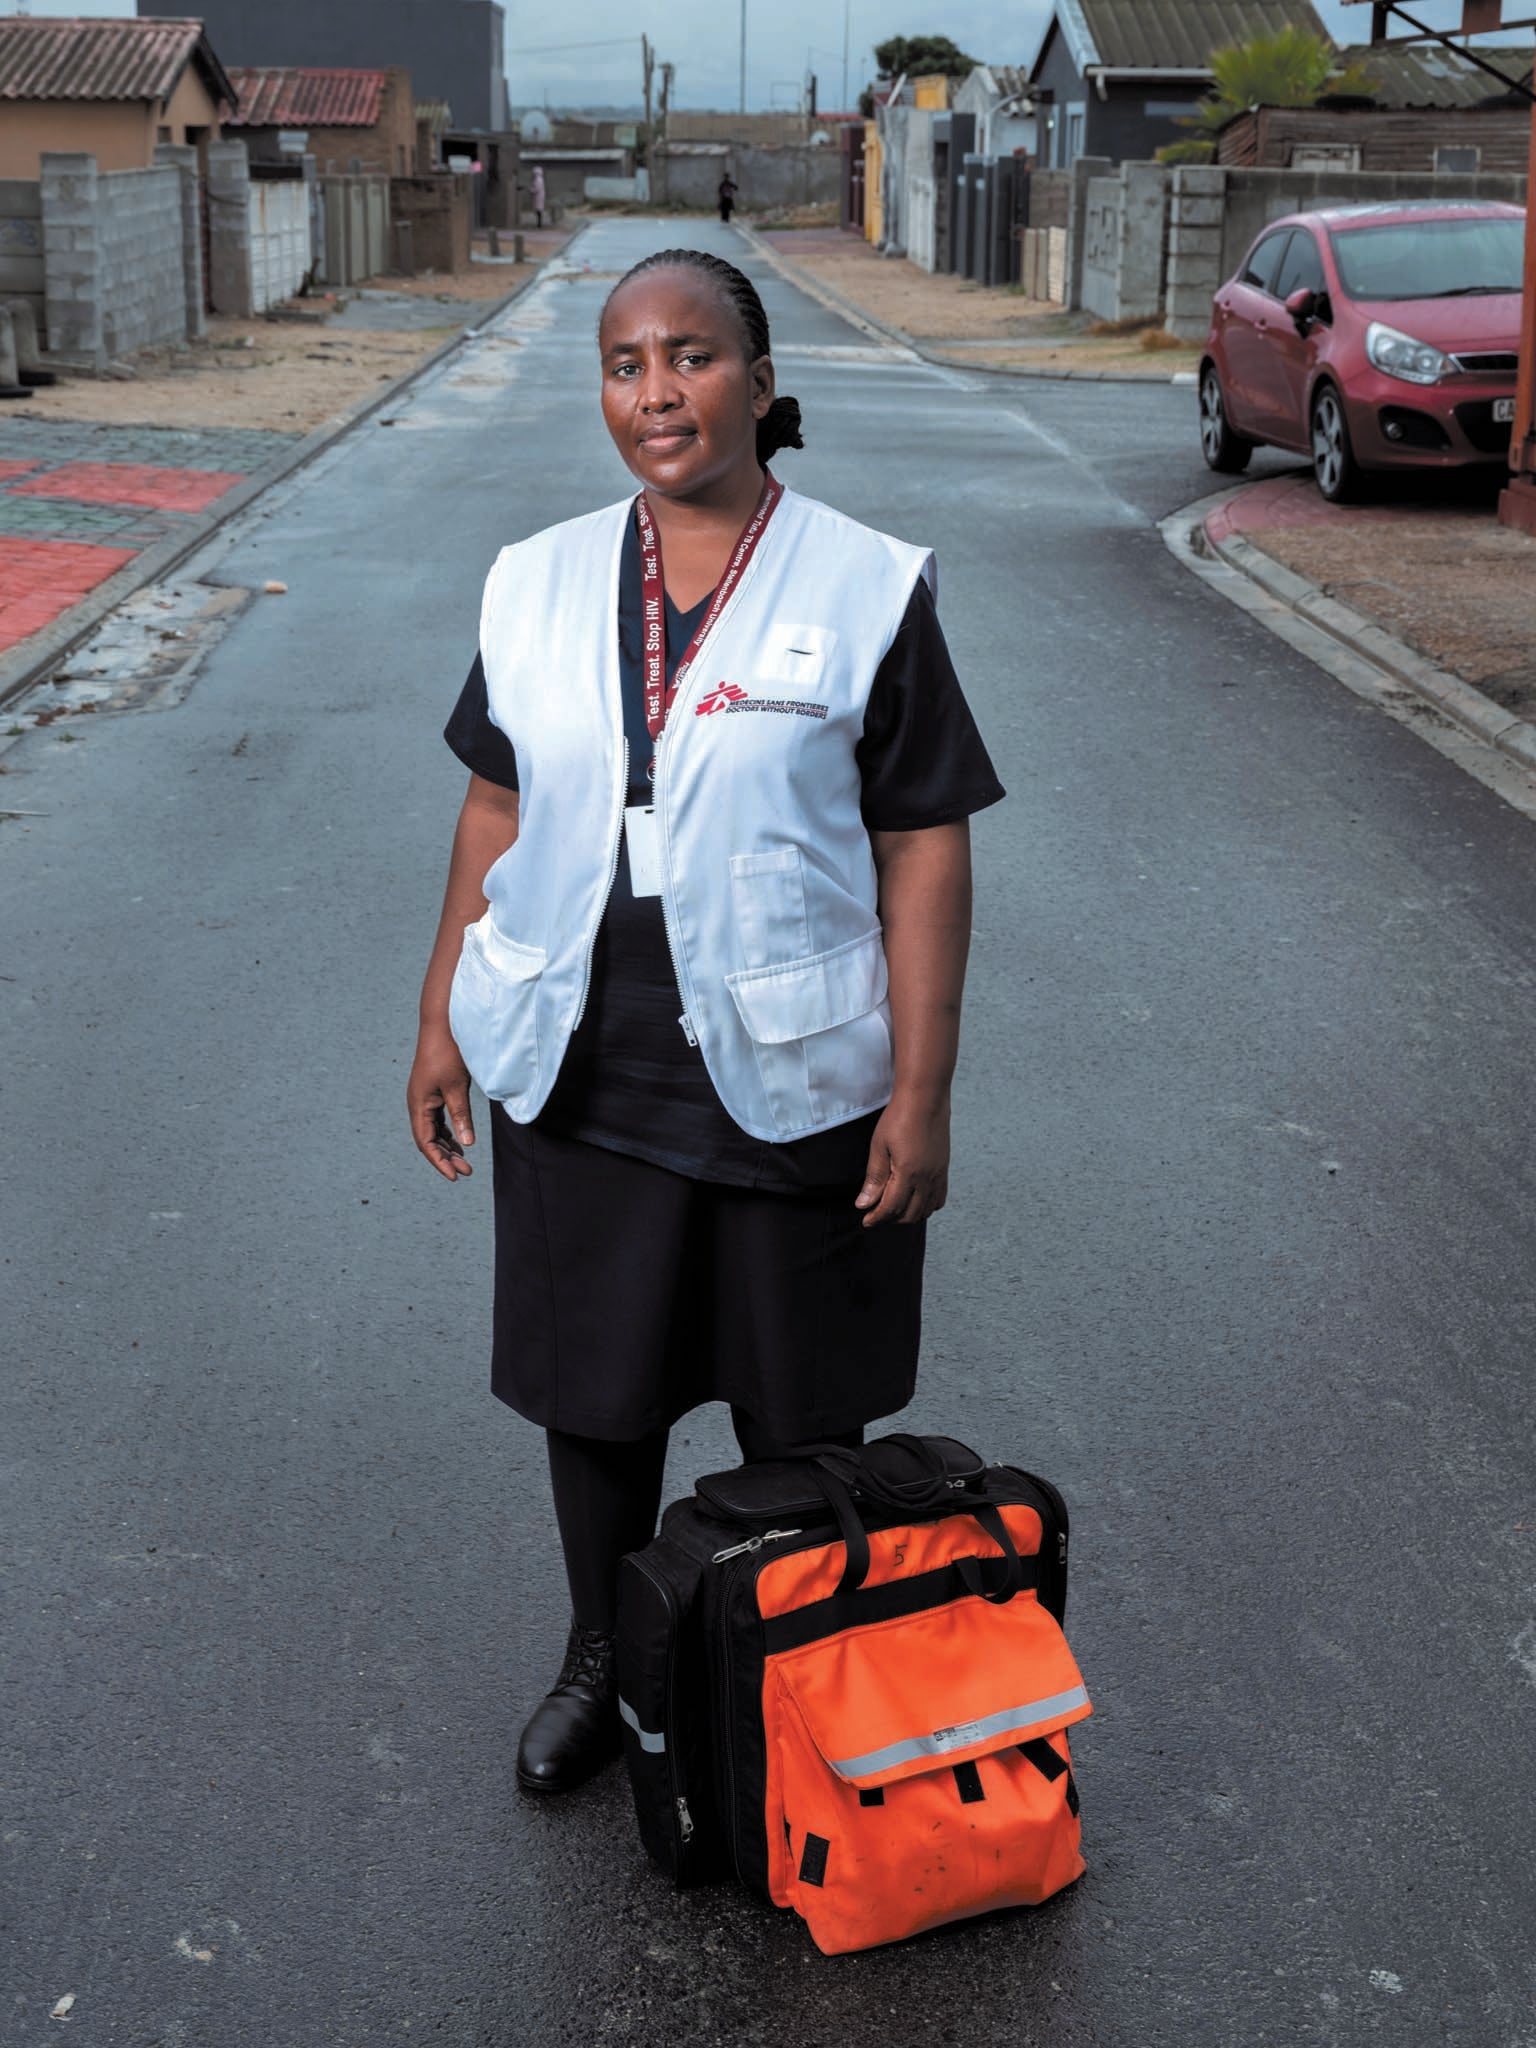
{"x": 685, "y": 1021}
{"x": 613, "y": 876}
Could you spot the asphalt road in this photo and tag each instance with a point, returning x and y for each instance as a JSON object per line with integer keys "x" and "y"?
{"x": 1240, "y": 1252}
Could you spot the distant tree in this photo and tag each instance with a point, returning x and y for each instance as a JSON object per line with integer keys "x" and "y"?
{"x": 1291, "y": 68}
{"x": 919, "y": 56}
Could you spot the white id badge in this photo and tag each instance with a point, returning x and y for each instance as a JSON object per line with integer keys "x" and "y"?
{"x": 643, "y": 839}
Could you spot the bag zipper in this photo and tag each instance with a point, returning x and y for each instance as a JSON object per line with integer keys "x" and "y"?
{"x": 753, "y": 1543}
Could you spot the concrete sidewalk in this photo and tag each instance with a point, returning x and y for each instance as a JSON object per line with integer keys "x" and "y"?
{"x": 1430, "y": 588}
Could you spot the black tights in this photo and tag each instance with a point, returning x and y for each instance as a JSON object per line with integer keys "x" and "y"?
{"x": 607, "y": 1496}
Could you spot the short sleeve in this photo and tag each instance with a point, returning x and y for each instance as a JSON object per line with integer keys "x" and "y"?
{"x": 921, "y": 759}
{"x": 483, "y": 747}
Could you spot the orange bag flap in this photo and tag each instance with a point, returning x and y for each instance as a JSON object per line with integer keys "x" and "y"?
{"x": 920, "y": 1693}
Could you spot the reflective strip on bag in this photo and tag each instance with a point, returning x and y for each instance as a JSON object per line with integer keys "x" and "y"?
{"x": 943, "y": 1740}
{"x": 653, "y": 1745}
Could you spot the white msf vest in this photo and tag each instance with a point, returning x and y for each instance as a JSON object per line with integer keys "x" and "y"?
{"x": 768, "y": 880}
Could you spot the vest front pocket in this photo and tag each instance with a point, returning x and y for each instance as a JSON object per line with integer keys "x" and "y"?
{"x": 768, "y": 897}
{"x": 820, "y": 1028}
{"x": 493, "y": 1010}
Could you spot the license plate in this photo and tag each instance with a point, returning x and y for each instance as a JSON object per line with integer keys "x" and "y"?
{"x": 1504, "y": 411}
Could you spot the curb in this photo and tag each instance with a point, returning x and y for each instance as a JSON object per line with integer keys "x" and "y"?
{"x": 835, "y": 302}
{"x": 1359, "y": 635}
{"x": 31, "y": 662}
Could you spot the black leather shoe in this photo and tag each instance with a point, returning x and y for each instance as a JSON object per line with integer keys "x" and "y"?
{"x": 574, "y": 1730}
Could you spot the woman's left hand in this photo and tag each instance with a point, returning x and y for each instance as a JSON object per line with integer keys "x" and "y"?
{"x": 907, "y": 1178}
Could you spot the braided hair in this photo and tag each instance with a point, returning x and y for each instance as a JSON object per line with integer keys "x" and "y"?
{"x": 780, "y": 425}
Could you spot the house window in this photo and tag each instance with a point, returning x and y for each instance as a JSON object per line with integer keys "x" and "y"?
{"x": 1448, "y": 159}
{"x": 1325, "y": 156}
{"x": 1075, "y": 122}
{"x": 164, "y": 133}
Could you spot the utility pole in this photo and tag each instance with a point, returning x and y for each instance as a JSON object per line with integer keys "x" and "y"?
{"x": 743, "y": 56}
{"x": 1517, "y": 503}
{"x": 648, "y": 65}
{"x": 660, "y": 165}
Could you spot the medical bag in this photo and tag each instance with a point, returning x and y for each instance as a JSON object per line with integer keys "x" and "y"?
{"x": 843, "y": 1679}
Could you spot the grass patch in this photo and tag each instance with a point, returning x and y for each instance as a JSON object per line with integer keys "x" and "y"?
{"x": 1154, "y": 338}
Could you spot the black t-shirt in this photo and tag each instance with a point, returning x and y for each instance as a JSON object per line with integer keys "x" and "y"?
{"x": 630, "y": 1081}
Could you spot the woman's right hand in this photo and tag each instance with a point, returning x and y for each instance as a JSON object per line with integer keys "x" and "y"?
{"x": 437, "y": 1097}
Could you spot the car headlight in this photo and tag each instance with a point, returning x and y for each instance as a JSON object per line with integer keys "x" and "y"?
{"x": 1401, "y": 356}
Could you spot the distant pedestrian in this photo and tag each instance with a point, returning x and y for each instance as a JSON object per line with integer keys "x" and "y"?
{"x": 719, "y": 1069}
{"x": 726, "y": 197}
{"x": 538, "y": 195}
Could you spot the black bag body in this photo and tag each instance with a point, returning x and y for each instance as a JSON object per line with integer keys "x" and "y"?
{"x": 693, "y": 1642}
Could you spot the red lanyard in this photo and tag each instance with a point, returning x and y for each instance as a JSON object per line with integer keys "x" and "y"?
{"x": 659, "y": 698}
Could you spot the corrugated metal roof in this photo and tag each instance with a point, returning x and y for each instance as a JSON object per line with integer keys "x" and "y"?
{"x": 292, "y": 96}
{"x": 1179, "y": 35}
{"x": 69, "y": 57}
{"x": 1430, "y": 75}
{"x": 1010, "y": 79}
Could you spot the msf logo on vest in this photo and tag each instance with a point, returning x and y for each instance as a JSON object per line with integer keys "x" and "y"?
{"x": 719, "y": 698}
{"x": 732, "y": 697}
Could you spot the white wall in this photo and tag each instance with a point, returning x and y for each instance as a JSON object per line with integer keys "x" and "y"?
{"x": 279, "y": 215}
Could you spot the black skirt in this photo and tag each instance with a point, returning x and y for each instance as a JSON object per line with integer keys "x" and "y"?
{"x": 627, "y": 1294}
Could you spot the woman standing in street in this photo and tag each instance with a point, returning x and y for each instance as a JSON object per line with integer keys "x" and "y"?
{"x": 703, "y": 945}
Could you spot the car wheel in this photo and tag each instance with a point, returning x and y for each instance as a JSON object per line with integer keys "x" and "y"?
{"x": 1333, "y": 460}
{"x": 1223, "y": 450}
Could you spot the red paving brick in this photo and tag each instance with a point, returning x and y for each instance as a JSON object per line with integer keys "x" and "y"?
{"x": 41, "y": 579}
{"x": 132, "y": 483}
{"x": 10, "y": 468}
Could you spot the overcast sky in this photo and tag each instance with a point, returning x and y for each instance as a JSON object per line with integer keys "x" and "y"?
{"x": 784, "y": 37}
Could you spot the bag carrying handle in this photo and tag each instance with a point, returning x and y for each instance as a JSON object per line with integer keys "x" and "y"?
{"x": 856, "y": 1541}
{"x": 929, "y": 1487}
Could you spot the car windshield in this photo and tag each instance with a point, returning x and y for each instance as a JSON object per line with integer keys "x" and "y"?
{"x": 1431, "y": 259}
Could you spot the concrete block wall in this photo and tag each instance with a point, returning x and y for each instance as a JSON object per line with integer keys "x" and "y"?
{"x": 182, "y": 156}
{"x": 69, "y": 192}
{"x": 801, "y": 175}
{"x": 1197, "y": 207}
{"x": 1103, "y": 217}
{"x": 115, "y": 256}
{"x": 1256, "y": 197}
{"x": 141, "y": 278}
{"x": 1216, "y": 211}
{"x": 1082, "y": 174}
{"x": 21, "y": 244}
{"x": 229, "y": 229}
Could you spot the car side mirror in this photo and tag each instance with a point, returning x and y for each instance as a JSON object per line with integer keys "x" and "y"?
{"x": 1302, "y": 307}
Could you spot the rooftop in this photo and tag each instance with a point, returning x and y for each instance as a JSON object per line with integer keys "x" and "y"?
{"x": 1168, "y": 35}
{"x": 80, "y": 57}
{"x": 1430, "y": 75}
{"x": 291, "y": 96}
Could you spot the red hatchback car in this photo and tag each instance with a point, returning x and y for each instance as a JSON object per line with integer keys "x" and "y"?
{"x": 1369, "y": 338}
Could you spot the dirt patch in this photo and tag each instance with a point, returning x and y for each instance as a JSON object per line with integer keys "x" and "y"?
{"x": 893, "y": 290}
{"x": 987, "y": 326}
{"x": 248, "y": 373}
{"x": 293, "y": 374}
{"x": 1450, "y": 581}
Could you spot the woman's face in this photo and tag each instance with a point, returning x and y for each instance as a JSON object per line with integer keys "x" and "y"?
{"x": 679, "y": 396}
